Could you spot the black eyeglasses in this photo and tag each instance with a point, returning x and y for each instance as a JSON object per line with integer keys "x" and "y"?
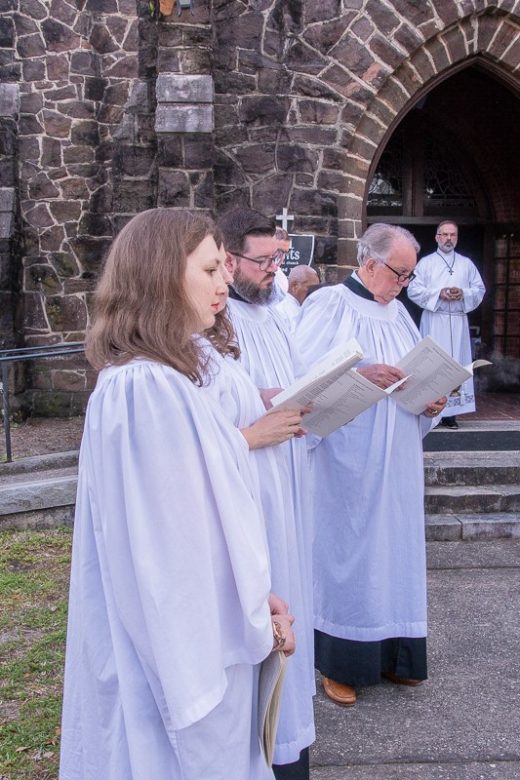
{"x": 402, "y": 278}
{"x": 267, "y": 261}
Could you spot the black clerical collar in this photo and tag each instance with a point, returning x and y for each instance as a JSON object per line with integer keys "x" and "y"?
{"x": 236, "y": 296}
{"x": 356, "y": 287}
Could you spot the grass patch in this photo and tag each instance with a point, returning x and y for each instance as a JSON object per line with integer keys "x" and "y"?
{"x": 34, "y": 577}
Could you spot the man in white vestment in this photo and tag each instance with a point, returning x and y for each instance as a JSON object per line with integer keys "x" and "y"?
{"x": 447, "y": 286}
{"x": 367, "y": 477}
{"x": 267, "y": 356}
{"x": 300, "y": 278}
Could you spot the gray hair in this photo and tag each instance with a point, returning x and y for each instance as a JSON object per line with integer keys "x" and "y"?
{"x": 300, "y": 273}
{"x": 377, "y": 242}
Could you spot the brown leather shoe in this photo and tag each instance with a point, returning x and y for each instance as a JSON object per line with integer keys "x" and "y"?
{"x": 401, "y": 680}
{"x": 339, "y": 693}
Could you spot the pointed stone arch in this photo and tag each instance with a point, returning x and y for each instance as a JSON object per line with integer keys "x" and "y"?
{"x": 489, "y": 37}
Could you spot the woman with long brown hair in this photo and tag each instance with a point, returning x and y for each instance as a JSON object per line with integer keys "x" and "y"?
{"x": 169, "y": 600}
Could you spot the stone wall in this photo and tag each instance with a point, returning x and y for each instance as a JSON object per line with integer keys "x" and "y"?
{"x": 269, "y": 103}
{"x": 307, "y": 92}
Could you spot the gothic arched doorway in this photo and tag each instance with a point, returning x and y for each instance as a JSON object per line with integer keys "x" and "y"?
{"x": 454, "y": 155}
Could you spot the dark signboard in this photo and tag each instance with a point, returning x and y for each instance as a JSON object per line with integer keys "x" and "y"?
{"x": 300, "y": 253}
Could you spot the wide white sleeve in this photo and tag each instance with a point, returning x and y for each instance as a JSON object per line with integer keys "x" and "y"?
{"x": 473, "y": 292}
{"x": 424, "y": 290}
{"x": 179, "y": 536}
{"x": 317, "y": 328}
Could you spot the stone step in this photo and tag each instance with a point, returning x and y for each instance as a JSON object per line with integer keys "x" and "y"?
{"x": 472, "y": 468}
{"x": 42, "y": 500}
{"x": 472, "y": 527}
{"x": 38, "y": 463}
{"x": 463, "y": 499}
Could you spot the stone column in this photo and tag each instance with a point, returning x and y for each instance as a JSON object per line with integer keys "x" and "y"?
{"x": 10, "y": 259}
{"x": 184, "y": 120}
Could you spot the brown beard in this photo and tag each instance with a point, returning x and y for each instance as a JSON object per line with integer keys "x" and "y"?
{"x": 251, "y": 291}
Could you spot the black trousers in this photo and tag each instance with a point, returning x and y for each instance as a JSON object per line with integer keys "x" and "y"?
{"x": 299, "y": 770}
{"x": 362, "y": 663}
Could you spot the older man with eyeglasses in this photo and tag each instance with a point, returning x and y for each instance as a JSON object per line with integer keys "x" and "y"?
{"x": 367, "y": 479}
{"x": 253, "y": 256}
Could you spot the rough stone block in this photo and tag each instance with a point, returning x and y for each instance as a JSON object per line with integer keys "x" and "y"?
{"x": 7, "y": 32}
{"x": 173, "y": 189}
{"x": 304, "y": 59}
{"x": 9, "y": 99}
{"x": 184, "y": 118}
{"x": 317, "y": 111}
{"x": 42, "y": 278}
{"x": 29, "y": 46}
{"x": 66, "y": 312}
{"x": 199, "y": 151}
{"x": 7, "y": 199}
{"x": 176, "y": 88}
{"x": 272, "y": 193}
{"x": 296, "y": 158}
{"x": 324, "y": 36}
{"x": 257, "y": 158}
{"x": 6, "y": 225}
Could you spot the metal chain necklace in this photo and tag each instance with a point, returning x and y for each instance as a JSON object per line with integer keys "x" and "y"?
{"x": 448, "y": 266}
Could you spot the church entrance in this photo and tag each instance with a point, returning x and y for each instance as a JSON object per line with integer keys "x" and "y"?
{"x": 454, "y": 156}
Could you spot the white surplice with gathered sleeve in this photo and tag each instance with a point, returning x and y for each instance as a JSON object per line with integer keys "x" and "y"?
{"x": 269, "y": 359}
{"x": 240, "y": 400}
{"x": 369, "y": 541}
{"x": 168, "y": 615}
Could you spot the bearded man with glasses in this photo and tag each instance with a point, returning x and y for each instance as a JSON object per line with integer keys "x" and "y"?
{"x": 253, "y": 256}
{"x": 368, "y": 483}
{"x": 448, "y": 286}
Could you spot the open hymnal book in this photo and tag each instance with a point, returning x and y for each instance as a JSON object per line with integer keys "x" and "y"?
{"x": 270, "y": 683}
{"x": 431, "y": 373}
{"x": 341, "y": 393}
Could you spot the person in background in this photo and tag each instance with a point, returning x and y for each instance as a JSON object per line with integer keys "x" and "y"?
{"x": 368, "y": 483}
{"x": 170, "y": 609}
{"x": 448, "y": 286}
{"x": 301, "y": 278}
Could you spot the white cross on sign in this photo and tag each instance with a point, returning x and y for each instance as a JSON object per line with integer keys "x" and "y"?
{"x": 285, "y": 218}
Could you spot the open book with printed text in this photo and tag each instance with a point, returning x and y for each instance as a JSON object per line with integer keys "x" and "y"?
{"x": 338, "y": 393}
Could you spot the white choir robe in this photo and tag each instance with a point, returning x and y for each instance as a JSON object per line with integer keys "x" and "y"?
{"x": 369, "y": 541}
{"x": 240, "y": 400}
{"x": 168, "y": 613}
{"x": 446, "y": 321}
{"x": 268, "y": 358}
{"x": 289, "y": 309}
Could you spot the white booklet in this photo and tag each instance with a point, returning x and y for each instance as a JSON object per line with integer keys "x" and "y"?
{"x": 338, "y": 393}
{"x": 431, "y": 373}
{"x": 270, "y": 683}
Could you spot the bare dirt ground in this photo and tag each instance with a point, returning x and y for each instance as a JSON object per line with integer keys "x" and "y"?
{"x": 41, "y": 435}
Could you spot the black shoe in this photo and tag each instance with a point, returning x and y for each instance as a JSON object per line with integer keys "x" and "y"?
{"x": 450, "y": 422}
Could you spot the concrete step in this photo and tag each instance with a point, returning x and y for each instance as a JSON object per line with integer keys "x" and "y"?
{"x": 48, "y": 490}
{"x": 38, "y": 463}
{"x": 40, "y": 493}
{"x": 472, "y": 468}
{"x": 42, "y": 499}
{"x": 472, "y": 527}
{"x": 463, "y": 499}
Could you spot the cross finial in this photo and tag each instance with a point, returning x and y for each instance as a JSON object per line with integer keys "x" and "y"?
{"x": 285, "y": 218}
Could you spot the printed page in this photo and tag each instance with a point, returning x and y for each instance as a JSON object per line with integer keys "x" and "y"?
{"x": 432, "y": 373}
{"x": 321, "y": 376}
{"x": 338, "y": 404}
